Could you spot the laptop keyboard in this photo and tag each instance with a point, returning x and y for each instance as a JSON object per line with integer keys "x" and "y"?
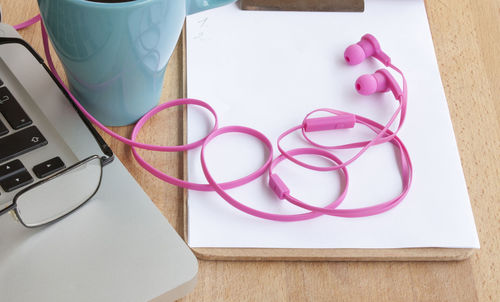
{"x": 24, "y": 137}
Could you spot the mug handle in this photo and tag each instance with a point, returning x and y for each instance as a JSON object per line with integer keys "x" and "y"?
{"x": 194, "y": 6}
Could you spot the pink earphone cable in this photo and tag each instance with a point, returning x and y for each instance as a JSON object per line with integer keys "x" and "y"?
{"x": 383, "y": 139}
{"x": 28, "y": 23}
{"x": 384, "y": 134}
{"x": 380, "y": 138}
{"x": 196, "y": 186}
{"x": 257, "y": 213}
{"x": 406, "y": 174}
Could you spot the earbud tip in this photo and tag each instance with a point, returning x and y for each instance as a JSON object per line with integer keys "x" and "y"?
{"x": 354, "y": 54}
{"x": 366, "y": 84}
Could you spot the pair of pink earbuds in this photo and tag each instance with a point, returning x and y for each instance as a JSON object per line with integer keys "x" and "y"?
{"x": 381, "y": 80}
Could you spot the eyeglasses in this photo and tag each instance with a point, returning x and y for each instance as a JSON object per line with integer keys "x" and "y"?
{"x": 52, "y": 199}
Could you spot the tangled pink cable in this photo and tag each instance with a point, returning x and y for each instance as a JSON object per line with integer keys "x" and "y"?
{"x": 380, "y": 81}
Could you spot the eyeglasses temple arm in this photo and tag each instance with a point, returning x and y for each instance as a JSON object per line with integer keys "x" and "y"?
{"x": 8, "y": 209}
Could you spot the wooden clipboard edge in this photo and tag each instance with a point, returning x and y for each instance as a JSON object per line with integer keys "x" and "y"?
{"x": 274, "y": 254}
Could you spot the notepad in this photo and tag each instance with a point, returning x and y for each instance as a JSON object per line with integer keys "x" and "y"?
{"x": 267, "y": 70}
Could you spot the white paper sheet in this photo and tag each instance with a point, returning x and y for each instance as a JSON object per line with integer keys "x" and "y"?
{"x": 266, "y": 70}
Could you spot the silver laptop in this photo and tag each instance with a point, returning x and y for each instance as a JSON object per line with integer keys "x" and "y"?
{"x": 112, "y": 244}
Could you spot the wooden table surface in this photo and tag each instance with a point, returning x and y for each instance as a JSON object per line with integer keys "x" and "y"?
{"x": 466, "y": 36}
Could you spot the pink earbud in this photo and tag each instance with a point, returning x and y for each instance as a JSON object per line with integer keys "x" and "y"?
{"x": 380, "y": 81}
{"x": 367, "y": 47}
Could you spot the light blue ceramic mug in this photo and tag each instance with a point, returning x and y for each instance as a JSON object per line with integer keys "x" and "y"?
{"x": 115, "y": 52}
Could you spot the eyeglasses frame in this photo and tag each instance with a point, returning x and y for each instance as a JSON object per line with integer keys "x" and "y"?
{"x": 13, "y": 206}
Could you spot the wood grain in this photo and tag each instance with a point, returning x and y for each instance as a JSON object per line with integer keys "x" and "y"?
{"x": 466, "y": 37}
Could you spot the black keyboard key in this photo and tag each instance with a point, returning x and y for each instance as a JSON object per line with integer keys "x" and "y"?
{"x": 12, "y": 111}
{"x": 21, "y": 142}
{"x": 48, "y": 167}
{"x": 3, "y": 129}
{"x": 11, "y": 168}
{"x": 16, "y": 181}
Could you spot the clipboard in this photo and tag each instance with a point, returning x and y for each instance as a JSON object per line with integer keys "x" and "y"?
{"x": 296, "y": 254}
